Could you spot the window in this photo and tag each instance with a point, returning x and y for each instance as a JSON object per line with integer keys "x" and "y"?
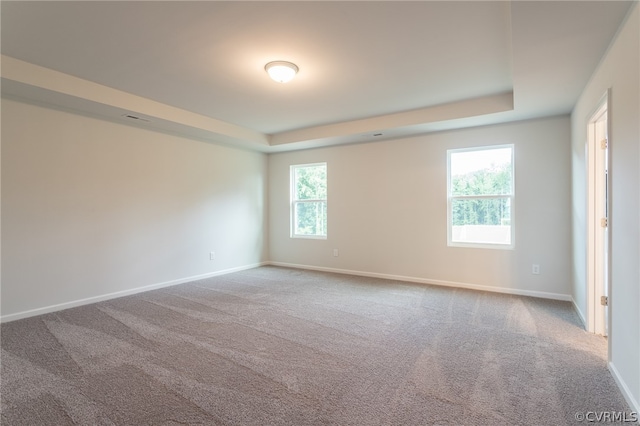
{"x": 309, "y": 201}
{"x": 481, "y": 197}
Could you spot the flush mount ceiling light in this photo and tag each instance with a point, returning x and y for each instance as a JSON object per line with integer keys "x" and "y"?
{"x": 281, "y": 71}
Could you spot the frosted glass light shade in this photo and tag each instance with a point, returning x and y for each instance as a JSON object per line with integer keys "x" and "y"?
{"x": 281, "y": 71}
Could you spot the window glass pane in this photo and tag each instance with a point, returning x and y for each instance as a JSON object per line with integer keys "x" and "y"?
{"x": 481, "y": 172}
{"x": 481, "y": 220}
{"x": 310, "y": 218}
{"x": 311, "y": 183}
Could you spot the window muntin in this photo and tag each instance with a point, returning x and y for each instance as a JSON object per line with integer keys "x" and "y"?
{"x": 481, "y": 197}
{"x": 309, "y": 201}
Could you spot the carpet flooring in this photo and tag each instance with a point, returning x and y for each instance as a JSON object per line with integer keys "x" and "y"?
{"x": 278, "y": 346}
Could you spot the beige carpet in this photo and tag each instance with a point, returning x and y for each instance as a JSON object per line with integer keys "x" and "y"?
{"x": 276, "y": 346}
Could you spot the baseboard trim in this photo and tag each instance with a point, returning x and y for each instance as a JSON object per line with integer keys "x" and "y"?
{"x": 514, "y": 291}
{"x": 100, "y": 298}
{"x": 95, "y": 299}
{"x": 633, "y": 404}
{"x": 579, "y": 312}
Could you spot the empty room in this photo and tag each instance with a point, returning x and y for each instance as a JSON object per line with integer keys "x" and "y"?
{"x": 320, "y": 213}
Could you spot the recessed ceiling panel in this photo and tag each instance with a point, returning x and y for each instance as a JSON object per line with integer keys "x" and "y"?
{"x": 356, "y": 59}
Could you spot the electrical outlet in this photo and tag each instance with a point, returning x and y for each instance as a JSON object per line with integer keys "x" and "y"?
{"x": 212, "y": 255}
{"x": 335, "y": 252}
{"x": 535, "y": 269}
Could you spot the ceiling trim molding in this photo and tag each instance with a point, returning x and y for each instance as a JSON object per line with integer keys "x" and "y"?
{"x": 33, "y": 82}
{"x": 450, "y": 111}
{"x": 30, "y": 81}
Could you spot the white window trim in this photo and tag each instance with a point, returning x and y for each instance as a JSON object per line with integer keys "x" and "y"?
{"x": 292, "y": 202}
{"x": 511, "y": 196}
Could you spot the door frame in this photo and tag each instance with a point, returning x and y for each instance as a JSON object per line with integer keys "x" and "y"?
{"x": 597, "y": 257}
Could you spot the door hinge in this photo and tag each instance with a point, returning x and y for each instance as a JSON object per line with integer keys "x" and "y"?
{"x": 604, "y": 300}
{"x": 604, "y": 222}
{"x": 604, "y": 144}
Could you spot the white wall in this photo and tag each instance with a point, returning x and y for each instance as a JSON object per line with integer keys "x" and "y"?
{"x": 92, "y": 207}
{"x": 620, "y": 72}
{"x": 387, "y": 207}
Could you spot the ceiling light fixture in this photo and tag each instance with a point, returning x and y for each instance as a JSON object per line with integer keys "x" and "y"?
{"x": 281, "y": 71}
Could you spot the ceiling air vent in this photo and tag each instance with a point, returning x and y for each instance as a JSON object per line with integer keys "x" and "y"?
{"x": 133, "y": 117}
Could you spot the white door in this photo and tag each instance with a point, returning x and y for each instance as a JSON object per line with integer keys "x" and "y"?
{"x": 598, "y": 250}
{"x": 602, "y": 232}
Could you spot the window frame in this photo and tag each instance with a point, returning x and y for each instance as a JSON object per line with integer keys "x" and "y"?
{"x": 511, "y": 197}
{"x": 293, "y": 201}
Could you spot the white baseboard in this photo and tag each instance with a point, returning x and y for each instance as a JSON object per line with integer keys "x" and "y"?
{"x": 579, "y": 312}
{"x": 519, "y": 292}
{"x": 633, "y": 403}
{"x": 100, "y": 298}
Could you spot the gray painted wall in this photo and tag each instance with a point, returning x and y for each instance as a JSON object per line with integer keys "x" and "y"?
{"x": 387, "y": 210}
{"x": 620, "y": 72}
{"x": 91, "y": 207}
